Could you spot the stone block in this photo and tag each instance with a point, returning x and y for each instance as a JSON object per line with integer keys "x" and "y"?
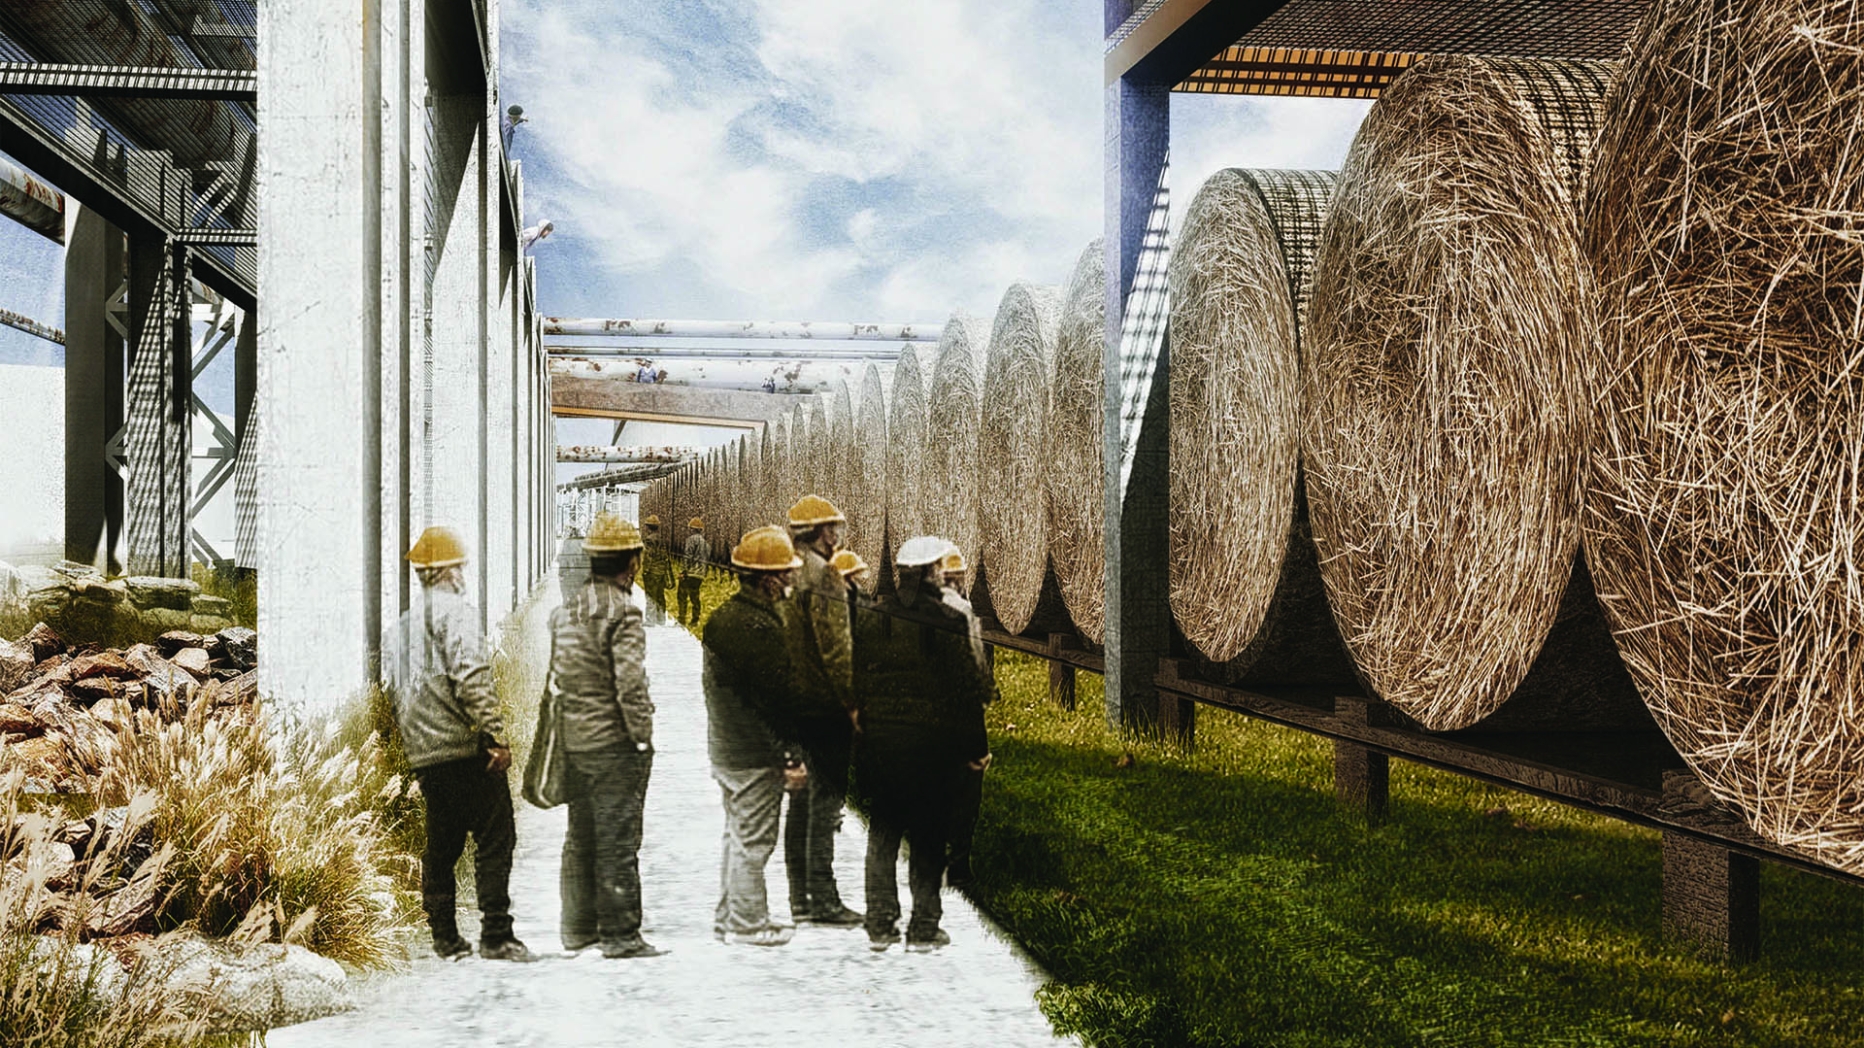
{"x": 175, "y": 640}
{"x": 242, "y": 646}
{"x": 154, "y": 591}
{"x": 257, "y": 989}
{"x": 16, "y": 663}
{"x": 194, "y": 660}
{"x": 45, "y": 642}
{"x": 207, "y": 625}
{"x": 167, "y": 619}
{"x": 211, "y": 605}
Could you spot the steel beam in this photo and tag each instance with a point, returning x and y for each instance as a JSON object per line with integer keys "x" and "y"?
{"x": 1165, "y": 42}
{"x": 30, "y": 326}
{"x": 31, "y": 202}
{"x": 624, "y": 453}
{"x": 113, "y": 81}
{"x": 833, "y": 331}
{"x": 786, "y": 376}
{"x": 787, "y": 352}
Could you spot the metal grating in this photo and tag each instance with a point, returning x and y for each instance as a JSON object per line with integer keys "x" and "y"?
{"x": 1297, "y": 203}
{"x": 1353, "y": 48}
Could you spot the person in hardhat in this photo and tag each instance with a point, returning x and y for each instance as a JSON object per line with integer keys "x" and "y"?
{"x": 822, "y": 652}
{"x": 454, "y": 736}
{"x": 598, "y": 668}
{"x": 918, "y": 689}
{"x": 698, "y": 555}
{"x": 654, "y": 572}
{"x": 747, "y": 677}
{"x": 968, "y": 797}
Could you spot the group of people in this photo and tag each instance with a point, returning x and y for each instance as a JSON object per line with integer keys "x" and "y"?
{"x": 808, "y": 683}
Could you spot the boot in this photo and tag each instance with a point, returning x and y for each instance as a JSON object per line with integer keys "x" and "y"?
{"x": 447, "y": 942}
{"x": 497, "y": 943}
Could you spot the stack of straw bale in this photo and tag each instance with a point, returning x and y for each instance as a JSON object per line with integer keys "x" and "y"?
{"x": 1726, "y": 527}
{"x": 953, "y": 415}
{"x": 815, "y": 478}
{"x": 906, "y": 439}
{"x": 840, "y": 466}
{"x": 1445, "y": 357}
{"x": 867, "y": 477}
{"x": 1072, "y": 446}
{"x": 1245, "y": 588}
{"x": 797, "y": 469}
{"x": 1014, "y": 515}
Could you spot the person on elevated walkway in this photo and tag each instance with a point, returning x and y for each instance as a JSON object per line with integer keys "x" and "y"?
{"x": 747, "y": 678}
{"x": 572, "y": 564}
{"x": 598, "y": 667}
{"x": 452, "y": 733}
{"x": 822, "y": 656}
{"x": 654, "y": 572}
{"x": 692, "y": 576}
{"x": 920, "y": 693}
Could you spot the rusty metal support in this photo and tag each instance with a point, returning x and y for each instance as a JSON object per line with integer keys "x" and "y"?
{"x": 30, "y": 202}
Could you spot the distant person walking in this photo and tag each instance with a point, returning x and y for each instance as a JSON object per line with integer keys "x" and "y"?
{"x": 453, "y": 735}
{"x": 598, "y": 666}
{"x": 822, "y": 657}
{"x": 918, "y": 688}
{"x": 747, "y": 675}
{"x": 572, "y": 563}
{"x": 654, "y": 572}
{"x": 692, "y": 578}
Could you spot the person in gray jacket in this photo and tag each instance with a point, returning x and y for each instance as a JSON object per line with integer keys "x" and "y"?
{"x": 692, "y": 577}
{"x": 572, "y": 564}
{"x": 453, "y": 735}
{"x": 598, "y": 667}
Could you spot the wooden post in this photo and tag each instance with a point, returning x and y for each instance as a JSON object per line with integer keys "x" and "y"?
{"x": 1361, "y": 776}
{"x": 1061, "y": 673}
{"x": 1711, "y": 895}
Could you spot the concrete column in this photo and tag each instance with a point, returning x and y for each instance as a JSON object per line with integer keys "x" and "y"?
{"x": 95, "y": 270}
{"x": 158, "y": 408}
{"x": 318, "y": 215}
{"x": 395, "y": 253}
{"x": 1138, "y": 613}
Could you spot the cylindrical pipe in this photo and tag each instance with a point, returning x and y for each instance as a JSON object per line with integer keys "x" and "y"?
{"x": 854, "y": 353}
{"x": 831, "y": 330}
{"x": 642, "y": 453}
{"x": 30, "y": 202}
{"x": 785, "y": 376}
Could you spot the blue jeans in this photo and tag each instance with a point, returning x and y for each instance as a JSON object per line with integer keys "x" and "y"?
{"x": 600, "y": 880}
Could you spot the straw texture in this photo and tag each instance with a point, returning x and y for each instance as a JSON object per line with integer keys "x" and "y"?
{"x": 1072, "y": 446}
{"x": 1444, "y": 392}
{"x": 1015, "y": 519}
{"x": 952, "y": 419}
{"x": 1238, "y": 279}
{"x": 906, "y": 439}
{"x": 839, "y": 469}
{"x": 867, "y": 479}
{"x": 1727, "y": 524}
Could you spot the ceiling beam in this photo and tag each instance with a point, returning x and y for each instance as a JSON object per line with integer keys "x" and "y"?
{"x": 1166, "y": 43}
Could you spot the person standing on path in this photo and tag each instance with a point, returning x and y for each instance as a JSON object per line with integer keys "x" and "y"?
{"x": 598, "y": 667}
{"x": 452, "y": 733}
{"x": 968, "y": 799}
{"x": 572, "y": 564}
{"x": 920, "y": 694}
{"x": 747, "y": 676}
{"x": 654, "y": 570}
{"x": 822, "y": 652}
{"x": 698, "y": 555}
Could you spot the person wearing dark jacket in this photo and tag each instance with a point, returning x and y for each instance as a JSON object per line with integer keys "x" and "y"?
{"x": 598, "y": 668}
{"x": 655, "y": 571}
{"x": 919, "y": 694}
{"x": 969, "y": 796}
{"x": 453, "y": 735}
{"x": 747, "y": 677}
{"x": 822, "y": 659}
{"x": 692, "y": 572}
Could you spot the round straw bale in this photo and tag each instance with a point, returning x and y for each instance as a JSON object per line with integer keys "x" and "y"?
{"x": 840, "y": 463}
{"x": 1014, "y": 521}
{"x": 1238, "y": 276}
{"x": 906, "y": 440}
{"x": 1727, "y": 528}
{"x": 816, "y": 477}
{"x": 952, "y": 419}
{"x": 1444, "y": 400}
{"x": 1072, "y": 446}
{"x": 796, "y": 467}
{"x": 776, "y": 469}
{"x": 867, "y": 477}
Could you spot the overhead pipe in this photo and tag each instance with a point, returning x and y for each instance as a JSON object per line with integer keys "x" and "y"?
{"x": 784, "y": 376}
{"x": 826, "y": 330}
{"x": 30, "y": 202}
{"x": 613, "y": 477}
{"x": 882, "y": 353}
{"x": 639, "y": 454}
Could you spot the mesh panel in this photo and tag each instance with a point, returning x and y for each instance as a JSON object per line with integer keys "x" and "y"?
{"x": 1567, "y": 99}
{"x": 1297, "y": 204}
{"x": 246, "y": 494}
{"x": 156, "y": 444}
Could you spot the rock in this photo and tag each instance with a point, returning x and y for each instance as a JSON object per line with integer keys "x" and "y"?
{"x": 113, "y": 713}
{"x": 219, "y": 607}
{"x": 75, "y": 569}
{"x": 242, "y": 690}
{"x": 103, "y": 664}
{"x": 162, "y": 680}
{"x": 94, "y": 688}
{"x": 18, "y": 720}
{"x": 175, "y": 640}
{"x": 194, "y": 660}
{"x": 43, "y": 757}
{"x": 226, "y": 673}
{"x": 99, "y": 589}
{"x": 167, "y": 619}
{"x": 76, "y": 964}
{"x": 153, "y": 591}
{"x": 45, "y": 642}
{"x": 60, "y": 864}
{"x": 242, "y": 646}
{"x": 208, "y": 624}
{"x": 16, "y": 663}
{"x": 266, "y": 986}
{"x": 214, "y": 647}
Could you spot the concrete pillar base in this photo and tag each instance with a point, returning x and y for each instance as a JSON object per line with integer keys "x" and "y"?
{"x": 1711, "y": 898}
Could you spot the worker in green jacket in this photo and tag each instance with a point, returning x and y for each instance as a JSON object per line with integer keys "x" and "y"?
{"x": 654, "y": 572}
{"x": 919, "y": 697}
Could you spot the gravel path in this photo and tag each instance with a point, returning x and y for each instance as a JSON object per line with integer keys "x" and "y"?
{"x": 825, "y": 988}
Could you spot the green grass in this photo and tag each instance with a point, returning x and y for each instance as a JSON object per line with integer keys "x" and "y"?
{"x": 1222, "y": 897}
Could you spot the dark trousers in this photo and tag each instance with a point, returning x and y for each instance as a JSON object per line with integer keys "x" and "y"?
{"x": 967, "y": 801}
{"x": 463, "y": 798}
{"x": 689, "y": 592}
{"x": 600, "y": 879}
{"x": 815, "y": 813}
{"x": 656, "y": 610}
{"x": 909, "y": 779}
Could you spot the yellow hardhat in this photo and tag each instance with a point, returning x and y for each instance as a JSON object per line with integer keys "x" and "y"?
{"x": 652, "y": 521}
{"x": 847, "y": 562}
{"x": 611, "y": 534}
{"x": 766, "y": 549}
{"x": 696, "y": 524}
{"x": 811, "y": 510}
{"x": 952, "y": 561}
{"x": 438, "y": 547}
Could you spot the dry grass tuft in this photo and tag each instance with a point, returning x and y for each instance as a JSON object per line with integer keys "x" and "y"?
{"x": 1726, "y": 527}
{"x": 1239, "y": 279}
{"x": 906, "y": 440}
{"x": 1445, "y": 366}
{"x": 953, "y": 407}
{"x": 1014, "y": 523}
{"x": 867, "y": 477}
{"x": 1072, "y": 446}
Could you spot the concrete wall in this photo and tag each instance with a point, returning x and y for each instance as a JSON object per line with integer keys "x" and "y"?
{"x": 32, "y": 522}
{"x": 388, "y": 399}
